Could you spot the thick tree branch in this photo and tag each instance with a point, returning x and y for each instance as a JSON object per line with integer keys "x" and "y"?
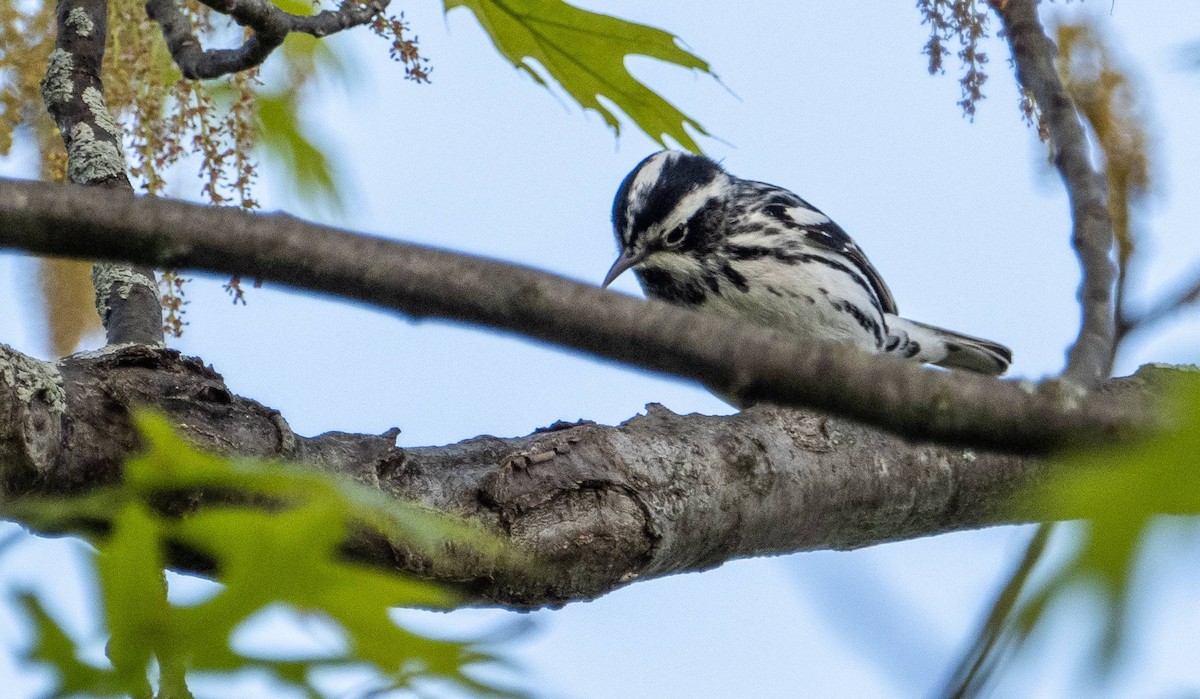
{"x": 1090, "y": 359}
{"x": 269, "y": 27}
{"x": 598, "y": 506}
{"x": 126, "y": 297}
{"x": 735, "y": 358}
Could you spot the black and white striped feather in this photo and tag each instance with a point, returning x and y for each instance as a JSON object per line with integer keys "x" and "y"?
{"x": 697, "y": 236}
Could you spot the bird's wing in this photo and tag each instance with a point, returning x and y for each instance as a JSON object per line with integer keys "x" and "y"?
{"x": 820, "y": 230}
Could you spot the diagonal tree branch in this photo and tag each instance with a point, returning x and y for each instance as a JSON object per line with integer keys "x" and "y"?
{"x": 1090, "y": 358}
{"x": 599, "y": 507}
{"x": 126, "y": 297}
{"x": 734, "y": 358}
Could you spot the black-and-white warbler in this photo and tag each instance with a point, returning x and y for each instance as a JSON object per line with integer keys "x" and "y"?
{"x": 697, "y": 236}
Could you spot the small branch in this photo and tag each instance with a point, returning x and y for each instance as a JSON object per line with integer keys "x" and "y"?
{"x": 269, "y": 26}
{"x": 126, "y": 297}
{"x": 1128, "y": 324}
{"x": 1090, "y": 358}
{"x": 732, "y": 357}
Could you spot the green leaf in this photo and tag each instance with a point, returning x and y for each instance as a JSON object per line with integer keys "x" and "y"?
{"x": 52, "y": 647}
{"x": 170, "y": 463}
{"x": 285, "y": 139}
{"x": 135, "y": 596}
{"x": 1126, "y": 493}
{"x": 275, "y": 534}
{"x": 585, "y": 53}
{"x": 302, "y": 8}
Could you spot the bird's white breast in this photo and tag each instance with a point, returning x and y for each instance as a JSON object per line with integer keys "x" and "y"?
{"x": 800, "y": 298}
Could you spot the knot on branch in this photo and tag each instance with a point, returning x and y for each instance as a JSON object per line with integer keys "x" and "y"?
{"x": 32, "y": 405}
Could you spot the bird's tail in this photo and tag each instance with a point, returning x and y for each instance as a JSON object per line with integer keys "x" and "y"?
{"x": 925, "y": 343}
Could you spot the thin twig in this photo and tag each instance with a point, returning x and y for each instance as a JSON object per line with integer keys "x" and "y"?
{"x": 1129, "y": 323}
{"x": 976, "y": 666}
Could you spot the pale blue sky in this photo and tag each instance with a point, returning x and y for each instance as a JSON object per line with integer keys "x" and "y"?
{"x": 830, "y": 99}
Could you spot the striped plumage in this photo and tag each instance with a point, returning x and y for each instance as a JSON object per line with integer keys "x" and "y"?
{"x": 697, "y": 236}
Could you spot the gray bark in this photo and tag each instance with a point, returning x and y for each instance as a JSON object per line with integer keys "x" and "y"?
{"x": 1090, "y": 359}
{"x": 598, "y": 506}
{"x": 268, "y": 25}
{"x": 126, "y": 295}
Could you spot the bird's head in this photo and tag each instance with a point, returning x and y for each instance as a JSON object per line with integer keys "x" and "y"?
{"x": 668, "y": 213}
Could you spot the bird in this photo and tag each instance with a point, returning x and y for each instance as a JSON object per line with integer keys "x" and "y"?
{"x": 696, "y": 236}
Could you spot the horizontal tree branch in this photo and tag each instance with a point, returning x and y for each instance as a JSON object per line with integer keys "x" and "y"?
{"x": 734, "y": 358}
{"x": 597, "y": 506}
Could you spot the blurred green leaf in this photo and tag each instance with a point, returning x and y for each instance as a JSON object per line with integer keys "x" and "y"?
{"x": 585, "y": 53}
{"x": 284, "y": 138}
{"x": 52, "y": 647}
{"x": 1125, "y": 493}
{"x": 274, "y": 533}
{"x": 310, "y": 58}
{"x": 135, "y": 596}
{"x": 302, "y": 8}
{"x": 280, "y": 131}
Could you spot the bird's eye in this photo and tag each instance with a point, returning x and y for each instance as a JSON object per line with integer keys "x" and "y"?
{"x": 676, "y": 235}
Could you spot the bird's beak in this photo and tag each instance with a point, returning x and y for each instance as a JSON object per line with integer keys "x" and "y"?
{"x": 629, "y": 258}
